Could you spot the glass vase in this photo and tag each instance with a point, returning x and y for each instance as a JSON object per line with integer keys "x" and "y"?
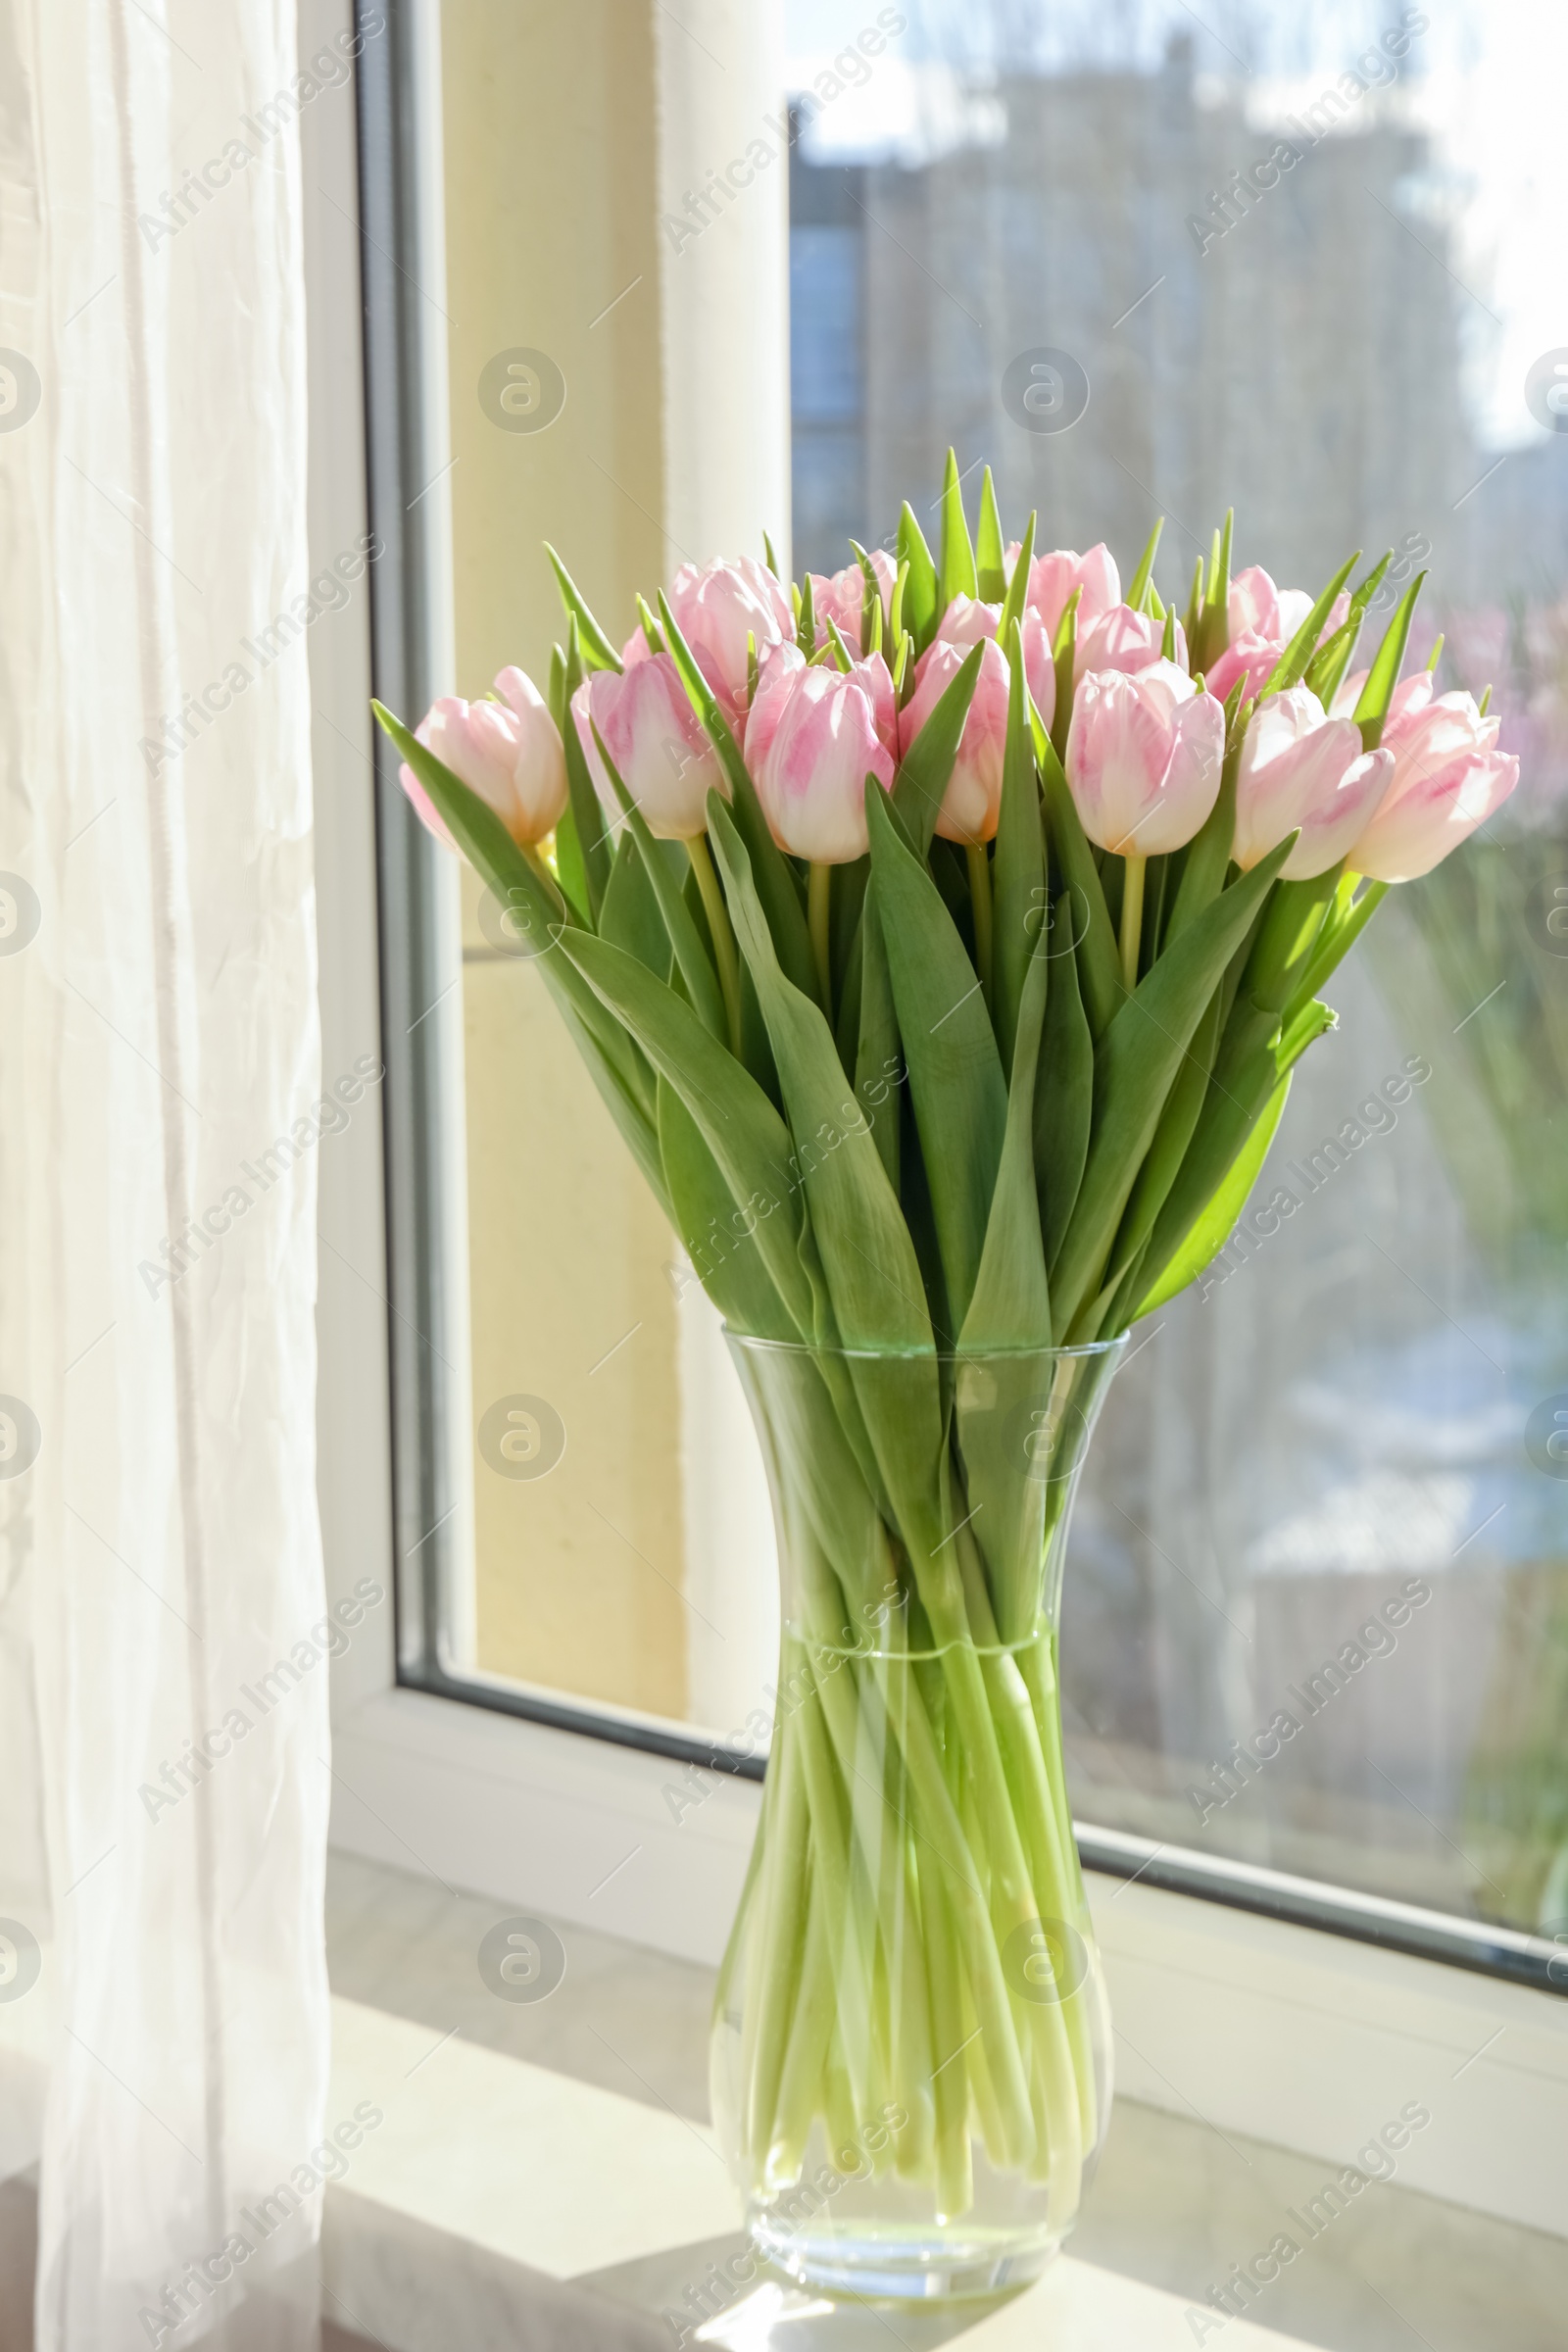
{"x": 910, "y": 2054}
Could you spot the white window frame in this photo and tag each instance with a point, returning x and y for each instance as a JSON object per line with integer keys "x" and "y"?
{"x": 1257, "y": 2023}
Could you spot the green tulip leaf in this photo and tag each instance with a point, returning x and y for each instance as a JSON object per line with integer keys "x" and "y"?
{"x": 1384, "y": 675}
{"x": 990, "y": 554}
{"x": 544, "y": 919}
{"x": 691, "y": 948}
{"x": 1136, "y": 1064}
{"x": 707, "y": 1217}
{"x": 958, "y": 576}
{"x": 1065, "y": 1093}
{"x": 776, "y": 884}
{"x": 1011, "y": 1303}
{"x": 597, "y": 650}
{"x": 1292, "y": 665}
{"x": 1017, "y": 879}
{"x": 958, "y": 1092}
{"x": 630, "y": 917}
{"x": 872, "y": 1273}
{"x": 1099, "y": 963}
{"x": 593, "y": 826}
{"x": 1214, "y": 1227}
{"x": 738, "y": 1123}
{"x": 921, "y": 611}
{"x": 923, "y": 777}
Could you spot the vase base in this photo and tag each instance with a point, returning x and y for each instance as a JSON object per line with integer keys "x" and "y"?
{"x": 893, "y": 2264}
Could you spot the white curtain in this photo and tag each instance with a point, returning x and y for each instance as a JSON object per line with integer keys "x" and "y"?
{"x": 164, "y": 1773}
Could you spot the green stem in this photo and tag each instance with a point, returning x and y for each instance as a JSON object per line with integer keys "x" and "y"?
{"x": 1131, "y": 919}
{"x": 980, "y": 901}
{"x": 955, "y": 2181}
{"x": 774, "y": 1954}
{"x": 723, "y": 938}
{"x": 818, "y": 904}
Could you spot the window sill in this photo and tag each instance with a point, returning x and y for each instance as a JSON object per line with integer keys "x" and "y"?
{"x": 501, "y": 2202}
{"x": 1299, "y": 2038}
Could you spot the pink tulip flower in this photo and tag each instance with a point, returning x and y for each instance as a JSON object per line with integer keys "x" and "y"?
{"x": 1262, "y": 619}
{"x": 1053, "y": 578}
{"x": 776, "y": 672}
{"x": 508, "y": 753}
{"x": 973, "y": 798}
{"x": 1302, "y": 771}
{"x": 1257, "y": 608}
{"x": 657, "y": 742}
{"x": 1448, "y": 776}
{"x": 840, "y": 597}
{"x": 1254, "y": 658}
{"x": 1143, "y": 756}
{"x": 1409, "y": 699}
{"x": 717, "y": 609}
{"x": 810, "y": 742}
{"x": 1125, "y": 640}
{"x": 875, "y": 679}
{"x": 966, "y": 622}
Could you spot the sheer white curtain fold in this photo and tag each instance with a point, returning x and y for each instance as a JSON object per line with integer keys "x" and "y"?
{"x": 166, "y": 1779}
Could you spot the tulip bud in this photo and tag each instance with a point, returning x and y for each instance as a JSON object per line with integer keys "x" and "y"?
{"x": 717, "y": 609}
{"x": 1053, "y": 578}
{"x": 1125, "y": 640}
{"x": 1143, "y": 756}
{"x": 1256, "y": 607}
{"x": 1408, "y": 700}
{"x": 810, "y": 742}
{"x": 840, "y": 597}
{"x": 966, "y": 621}
{"x": 508, "y": 753}
{"x": 657, "y": 742}
{"x": 1447, "y": 778}
{"x": 1246, "y": 655}
{"x": 1303, "y": 771}
{"x": 1262, "y": 619}
{"x": 972, "y": 801}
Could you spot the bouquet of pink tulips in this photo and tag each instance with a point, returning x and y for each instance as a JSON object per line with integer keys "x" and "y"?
{"x": 942, "y": 937}
{"x": 904, "y": 814}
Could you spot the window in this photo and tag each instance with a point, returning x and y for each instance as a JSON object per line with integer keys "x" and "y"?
{"x": 1318, "y": 1609}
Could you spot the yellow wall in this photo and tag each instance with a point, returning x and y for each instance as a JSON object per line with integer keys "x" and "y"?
{"x": 550, "y": 186}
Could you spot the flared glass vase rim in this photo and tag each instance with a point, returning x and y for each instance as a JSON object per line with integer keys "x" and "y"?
{"x": 753, "y": 1345}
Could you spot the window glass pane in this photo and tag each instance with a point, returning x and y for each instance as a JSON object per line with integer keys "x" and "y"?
{"x": 614, "y": 1482}
{"x": 1305, "y": 263}
{"x": 1145, "y": 267}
